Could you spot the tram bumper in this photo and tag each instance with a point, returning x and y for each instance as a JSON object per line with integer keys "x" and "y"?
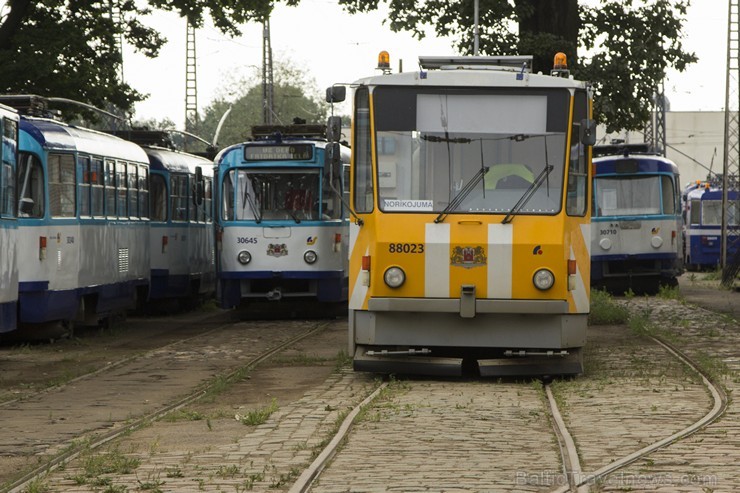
{"x": 506, "y": 337}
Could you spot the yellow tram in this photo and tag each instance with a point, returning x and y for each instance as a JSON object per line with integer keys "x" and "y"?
{"x": 470, "y": 192}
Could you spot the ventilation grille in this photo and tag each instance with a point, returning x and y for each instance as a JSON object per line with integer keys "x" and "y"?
{"x": 122, "y": 260}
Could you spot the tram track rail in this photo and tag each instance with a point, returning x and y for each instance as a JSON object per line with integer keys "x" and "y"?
{"x": 74, "y": 450}
{"x": 517, "y": 411}
{"x": 114, "y": 364}
{"x": 579, "y": 482}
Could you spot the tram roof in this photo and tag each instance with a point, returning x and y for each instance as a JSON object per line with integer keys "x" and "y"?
{"x": 472, "y": 76}
{"x": 702, "y": 193}
{"x": 164, "y": 159}
{"x": 58, "y": 136}
{"x": 8, "y": 111}
{"x": 634, "y": 164}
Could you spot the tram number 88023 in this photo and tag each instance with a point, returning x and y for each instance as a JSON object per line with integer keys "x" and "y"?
{"x": 406, "y": 248}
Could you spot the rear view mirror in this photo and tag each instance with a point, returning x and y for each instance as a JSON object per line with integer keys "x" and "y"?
{"x": 336, "y": 94}
{"x": 587, "y": 132}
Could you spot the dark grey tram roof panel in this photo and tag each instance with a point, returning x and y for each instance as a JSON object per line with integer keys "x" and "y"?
{"x": 451, "y": 62}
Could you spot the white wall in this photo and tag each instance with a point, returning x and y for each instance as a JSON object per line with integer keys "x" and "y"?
{"x": 694, "y": 141}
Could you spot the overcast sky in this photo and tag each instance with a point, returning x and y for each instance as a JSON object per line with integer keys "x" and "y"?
{"x": 332, "y": 46}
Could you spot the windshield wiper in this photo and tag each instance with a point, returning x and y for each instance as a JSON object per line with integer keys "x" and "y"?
{"x": 464, "y": 191}
{"x": 295, "y": 218}
{"x": 248, "y": 199}
{"x": 528, "y": 193}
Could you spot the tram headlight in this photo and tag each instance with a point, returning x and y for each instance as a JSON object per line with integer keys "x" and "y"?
{"x": 244, "y": 257}
{"x": 394, "y": 277}
{"x": 543, "y": 279}
{"x": 310, "y": 257}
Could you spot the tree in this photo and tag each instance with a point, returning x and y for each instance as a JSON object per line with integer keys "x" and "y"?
{"x": 622, "y": 47}
{"x": 295, "y": 96}
{"x": 68, "y": 48}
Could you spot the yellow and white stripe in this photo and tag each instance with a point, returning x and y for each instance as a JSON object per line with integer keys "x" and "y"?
{"x": 437, "y": 260}
{"x": 500, "y": 250}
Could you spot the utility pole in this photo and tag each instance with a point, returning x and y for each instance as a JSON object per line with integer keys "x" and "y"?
{"x": 731, "y": 163}
{"x": 191, "y": 87}
{"x": 267, "y": 82}
{"x": 655, "y": 126}
{"x": 114, "y": 11}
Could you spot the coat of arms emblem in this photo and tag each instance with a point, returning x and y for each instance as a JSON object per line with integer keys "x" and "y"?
{"x": 468, "y": 256}
{"x": 275, "y": 250}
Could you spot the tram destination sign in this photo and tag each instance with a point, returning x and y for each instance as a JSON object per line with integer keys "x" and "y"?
{"x": 287, "y": 152}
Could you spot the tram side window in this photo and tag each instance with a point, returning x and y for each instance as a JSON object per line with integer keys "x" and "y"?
{"x": 62, "y": 185}
{"x": 227, "y": 196}
{"x": 132, "y": 173}
{"x": 575, "y": 203}
{"x": 143, "y": 192}
{"x": 110, "y": 188}
{"x": 208, "y": 199}
{"x": 121, "y": 188}
{"x": 363, "y": 185}
{"x": 179, "y": 191}
{"x": 159, "y": 198}
{"x": 97, "y": 205}
{"x": 669, "y": 194}
{"x": 7, "y": 174}
{"x": 30, "y": 187}
{"x": 196, "y": 212}
{"x": 83, "y": 163}
{"x": 7, "y": 190}
{"x": 695, "y": 217}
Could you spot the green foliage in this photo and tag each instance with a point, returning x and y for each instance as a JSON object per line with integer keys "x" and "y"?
{"x": 38, "y": 485}
{"x": 70, "y": 49}
{"x": 43, "y": 50}
{"x": 634, "y": 46}
{"x": 605, "y": 311}
{"x": 295, "y": 95}
{"x": 258, "y": 416}
{"x": 112, "y": 462}
{"x": 625, "y": 49}
{"x": 669, "y": 292}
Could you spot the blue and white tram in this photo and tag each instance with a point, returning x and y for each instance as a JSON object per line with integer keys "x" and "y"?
{"x": 83, "y": 223}
{"x": 8, "y": 222}
{"x": 181, "y": 225}
{"x": 281, "y": 230}
{"x": 703, "y": 225}
{"x": 636, "y": 240}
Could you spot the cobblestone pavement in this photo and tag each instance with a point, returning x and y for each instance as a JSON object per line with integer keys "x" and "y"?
{"x": 447, "y": 436}
{"x": 266, "y": 457}
{"x": 496, "y": 436}
{"x": 707, "y": 461}
{"x": 484, "y": 435}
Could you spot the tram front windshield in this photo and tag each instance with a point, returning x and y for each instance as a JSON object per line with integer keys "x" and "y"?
{"x": 634, "y": 196}
{"x": 274, "y": 194}
{"x": 433, "y": 142}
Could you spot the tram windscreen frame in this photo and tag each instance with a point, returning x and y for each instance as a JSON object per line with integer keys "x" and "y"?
{"x": 430, "y": 142}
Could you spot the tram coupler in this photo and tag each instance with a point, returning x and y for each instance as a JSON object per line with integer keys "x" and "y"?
{"x": 274, "y": 295}
{"x": 467, "y": 301}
